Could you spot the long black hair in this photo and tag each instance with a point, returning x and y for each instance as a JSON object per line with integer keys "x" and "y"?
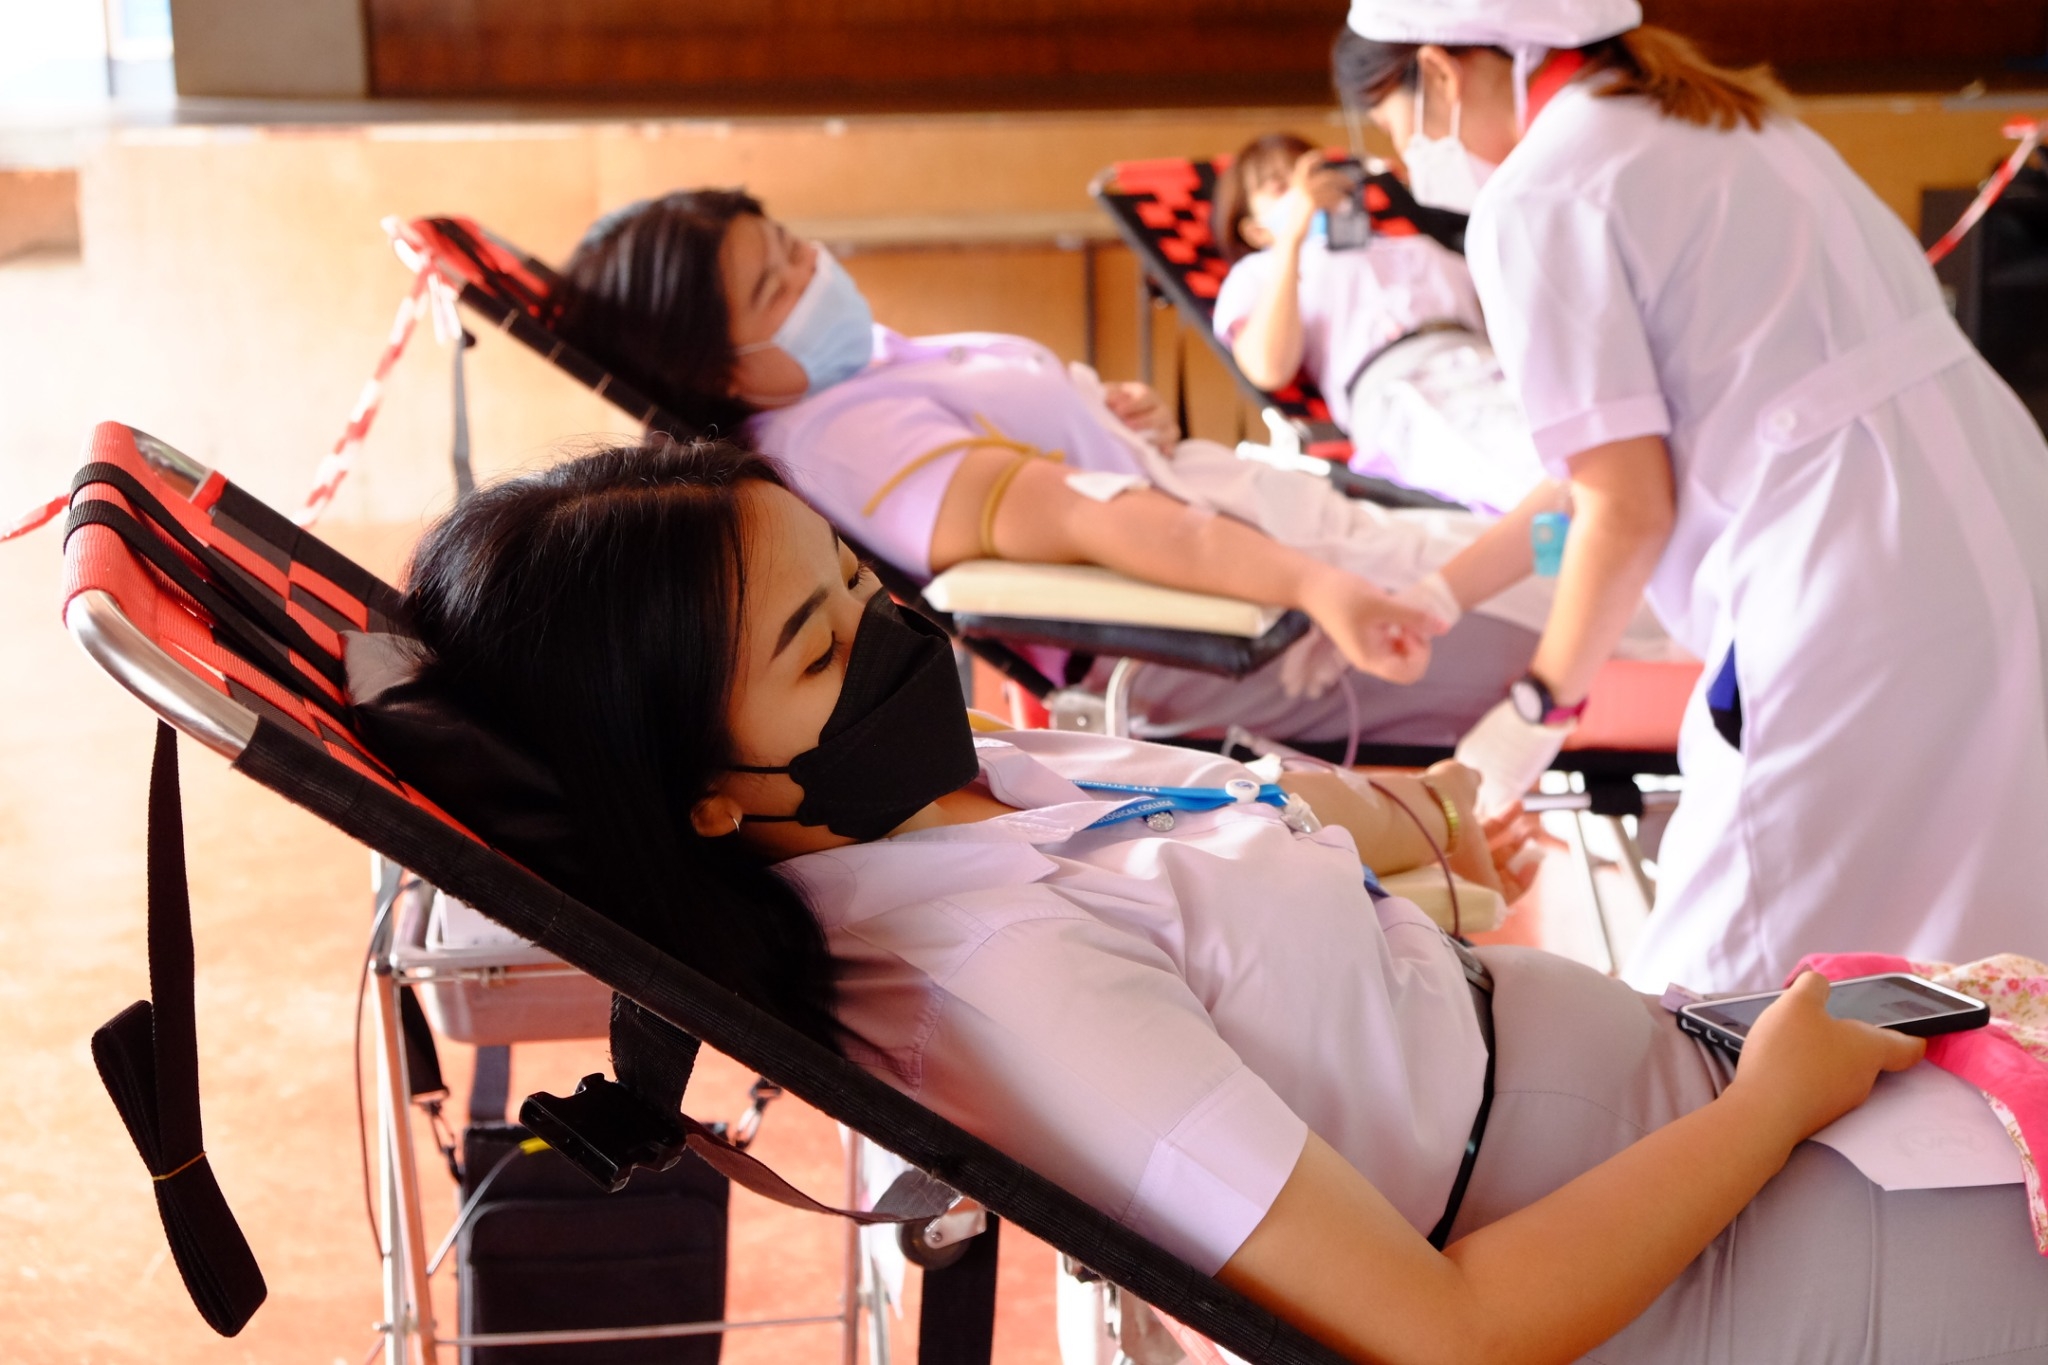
{"x": 590, "y": 614}
{"x": 643, "y": 292}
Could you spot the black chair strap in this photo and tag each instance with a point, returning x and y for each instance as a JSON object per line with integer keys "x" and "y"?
{"x": 229, "y": 582}
{"x": 148, "y": 1056}
{"x": 490, "y": 1084}
{"x": 956, "y": 1324}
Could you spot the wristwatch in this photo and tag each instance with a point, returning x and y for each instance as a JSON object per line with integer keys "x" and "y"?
{"x": 1534, "y": 703}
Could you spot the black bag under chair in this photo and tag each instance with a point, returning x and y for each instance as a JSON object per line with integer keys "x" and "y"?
{"x": 546, "y": 1250}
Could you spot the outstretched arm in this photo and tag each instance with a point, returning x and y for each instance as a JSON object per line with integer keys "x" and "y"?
{"x": 1152, "y": 537}
{"x": 1268, "y": 347}
{"x": 1501, "y": 556}
{"x": 1554, "y": 1280}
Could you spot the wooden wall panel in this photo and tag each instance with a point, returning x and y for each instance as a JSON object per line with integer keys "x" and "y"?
{"x": 1801, "y": 34}
{"x": 865, "y": 55}
{"x": 858, "y": 53}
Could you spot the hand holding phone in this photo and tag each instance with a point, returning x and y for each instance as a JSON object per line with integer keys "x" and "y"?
{"x": 1347, "y": 224}
{"x": 1800, "y": 1067}
{"x": 1895, "y": 1000}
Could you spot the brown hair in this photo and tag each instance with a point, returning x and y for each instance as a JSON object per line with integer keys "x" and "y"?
{"x": 1669, "y": 71}
{"x": 1259, "y": 163}
{"x": 1661, "y": 66}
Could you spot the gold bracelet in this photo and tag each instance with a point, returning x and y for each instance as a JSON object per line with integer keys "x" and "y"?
{"x": 1452, "y": 822}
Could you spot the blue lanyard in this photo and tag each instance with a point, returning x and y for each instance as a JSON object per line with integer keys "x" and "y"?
{"x": 1151, "y": 801}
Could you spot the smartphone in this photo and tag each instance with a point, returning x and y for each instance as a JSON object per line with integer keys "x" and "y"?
{"x": 1348, "y": 226}
{"x": 1895, "y": 1000}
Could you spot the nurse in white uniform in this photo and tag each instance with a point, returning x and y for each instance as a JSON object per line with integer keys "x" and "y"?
{"x": 1741, "y": 360}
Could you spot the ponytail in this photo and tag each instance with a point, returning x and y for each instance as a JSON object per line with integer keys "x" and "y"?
{"x": 1669, "y": 71}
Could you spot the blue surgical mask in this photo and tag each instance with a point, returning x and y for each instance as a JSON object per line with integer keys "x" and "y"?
{"x": 830, "y": 331}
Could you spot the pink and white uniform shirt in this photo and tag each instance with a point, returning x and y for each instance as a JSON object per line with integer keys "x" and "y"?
{"x": 1354, "y": 302}
{"x": 1154, "y": 1021}
{"x": 874, "y": 453}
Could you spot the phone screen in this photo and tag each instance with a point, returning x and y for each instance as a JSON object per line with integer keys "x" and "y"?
{"x": 1883, "y": 1000}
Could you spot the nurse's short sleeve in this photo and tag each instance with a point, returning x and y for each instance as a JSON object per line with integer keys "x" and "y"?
{"x": 843, "y": 450}
{"x": 1242, "y": 289}
{"x": 1082, "y": 1053}
{"x": 1565, "y": 315}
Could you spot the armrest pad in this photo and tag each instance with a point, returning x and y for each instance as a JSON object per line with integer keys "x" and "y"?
{"x": 1085, "y": 592}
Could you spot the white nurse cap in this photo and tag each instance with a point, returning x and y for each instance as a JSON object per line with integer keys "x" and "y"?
{"x": 1512, "y": 24}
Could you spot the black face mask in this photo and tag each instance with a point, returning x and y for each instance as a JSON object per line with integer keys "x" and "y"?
{"x": 896, "y": 741}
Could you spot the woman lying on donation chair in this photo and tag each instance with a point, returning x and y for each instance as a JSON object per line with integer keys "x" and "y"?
{"x": 922, "y": 448}
{"x": 1390, "y": 330}
{"x": 1212, "y": 1031}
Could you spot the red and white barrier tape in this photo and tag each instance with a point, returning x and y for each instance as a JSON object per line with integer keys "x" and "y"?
{"x": 36, "y": 517}
{"x": 428, "y": 291}
{"x": 327, "y": 479}
{"x": 2029, "y": 132}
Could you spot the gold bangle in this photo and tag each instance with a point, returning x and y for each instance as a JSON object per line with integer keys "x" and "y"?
{"x": 1452, "y": 822}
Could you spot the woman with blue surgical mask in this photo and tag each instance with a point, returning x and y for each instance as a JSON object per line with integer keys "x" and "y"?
{"x": 829, "y": 331}
{"x": 1741, "y": 361}
{"x": 932, "y": 450}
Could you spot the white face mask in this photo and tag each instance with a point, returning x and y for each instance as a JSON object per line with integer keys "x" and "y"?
{"x": 1442, "y": 173}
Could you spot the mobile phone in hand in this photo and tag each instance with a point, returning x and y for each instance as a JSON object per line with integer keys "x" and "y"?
{"x": 1894, "y": 1000}
{"x": 1349, "y": 226}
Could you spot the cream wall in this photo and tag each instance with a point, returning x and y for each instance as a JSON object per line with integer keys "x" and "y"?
{"x": 236, "y": 289}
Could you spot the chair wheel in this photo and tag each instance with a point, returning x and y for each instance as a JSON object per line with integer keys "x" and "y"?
{"x": 910, "y": 1237}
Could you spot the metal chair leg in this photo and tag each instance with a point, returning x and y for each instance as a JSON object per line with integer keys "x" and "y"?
{"x": 1589, "y": 870}
{"x": 408, "y": 1299}
{"x": 850, "y": 1293}
{"x": 1632, "y": 858}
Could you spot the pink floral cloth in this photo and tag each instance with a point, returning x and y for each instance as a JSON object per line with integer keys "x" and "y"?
{"x": 2007, "y": 1060}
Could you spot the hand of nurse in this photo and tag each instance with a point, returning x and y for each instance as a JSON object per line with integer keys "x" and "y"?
{"x": 1807, "y": 1068}
{"x": 1373, "y": 632}
{"x": 1510, "y": 755}
{"x": 1139, "y": 407}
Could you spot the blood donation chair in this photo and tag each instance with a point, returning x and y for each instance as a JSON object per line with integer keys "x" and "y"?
{"x": 1161, "y": 209}
{"x": 231, "y": 624}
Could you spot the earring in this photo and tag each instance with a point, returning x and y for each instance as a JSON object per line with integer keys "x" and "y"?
{"x": 735, "y": 824}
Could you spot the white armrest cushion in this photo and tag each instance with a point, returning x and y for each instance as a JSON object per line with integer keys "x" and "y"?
{"x": 1086, "y": 592}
